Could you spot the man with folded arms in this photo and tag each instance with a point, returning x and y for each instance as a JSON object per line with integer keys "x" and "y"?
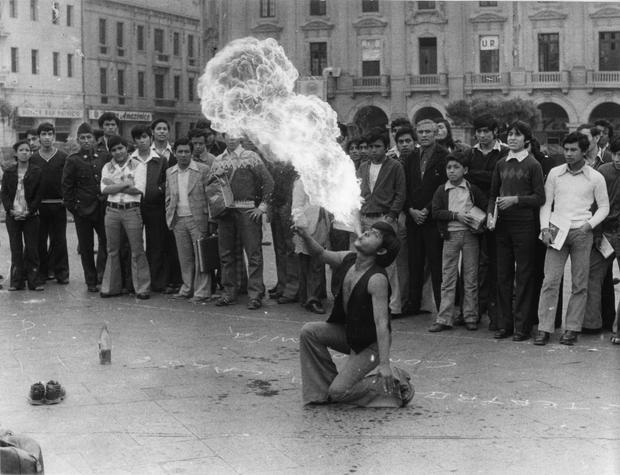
{"x": 571, "y": 190}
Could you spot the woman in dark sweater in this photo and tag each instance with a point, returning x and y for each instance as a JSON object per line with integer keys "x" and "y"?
{"x": 21, "y": 196}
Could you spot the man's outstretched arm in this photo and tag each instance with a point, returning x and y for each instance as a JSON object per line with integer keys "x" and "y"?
{"x": 331, "y": 258}
{"x": 378, "y": 289}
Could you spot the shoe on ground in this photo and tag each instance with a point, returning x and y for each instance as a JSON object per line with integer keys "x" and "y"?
{"x": 224, "y": 301}
{"x": 254, "y": 304}
{"x": 542, "y": 338}
{"x": 501, "y": 334}
{"x": 62, "y": 281}
{"x": 37, "y": 288}
{"x": 569, "y": 338}
{"x": 200, "y": 300}
{"x": 36, "y": 397}
{"x": 459, "y": 321}
{"x": 316, "y": 307}
{"x": 143, "y": 296}
{"x": 179, "y": 296}
{"x": 493, "y": 327}
{"x": 169, "y": 290}
{"x": 284, "y": 300}
{"x": 471, "y": 326}
{"x": 54, "y": 392}
{"x": 520, "y": 336}
{"x": 615, "y": 339}
{"x": 107, "y": 295}
{"x": 439, "y": 327}
{"x": 12, "y": 288}
{"x": 93, "y": 288}
{"x": 275, "y": 295}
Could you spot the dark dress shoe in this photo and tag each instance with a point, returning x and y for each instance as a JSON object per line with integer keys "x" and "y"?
{"x": 316, "y": 307}
{"x": 471, "y": 326}
{"x": 143, "y": 296}
{"x": 569, "y": 337}
{"x": 501, "y": 334}
{"x": 520, "y": 336}
{"x": 62, "y": 281}
{"x": 284, "y": 300}
{"x": 439, "y": 327}
{"x": 93, "y": 288}
{"x": 541, "y": 339}
{"x": 106, "y": 295}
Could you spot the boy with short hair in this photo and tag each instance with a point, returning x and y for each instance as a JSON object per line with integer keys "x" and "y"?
{"x": 453, "y": 203}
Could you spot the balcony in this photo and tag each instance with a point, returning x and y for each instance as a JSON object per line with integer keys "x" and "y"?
{"x": 161, "y": 59}
{"x": 487, "y": 82}
{"x": 372, "y": 85}
{"x": 603, "y": 80}
{"x": 165, "y": 103}
{"x": 547, "y": 80}
{"x": 428, "y": 83}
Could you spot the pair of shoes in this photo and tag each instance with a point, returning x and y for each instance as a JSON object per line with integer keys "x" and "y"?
{"x": 501, "y": 334}
{"x": 569, "y": 338}
{"x": 169, "y": 290}
{"x": 224, "y": 301}
{"x": 12, "y": 288}
{"x": 471, "y": 326}
{"x": 542, "y": 338}
{"x": 52, "y": 393}
{"x": 615, "y": 339}
{"x": 143, "y": 296}
{"x": 316, "y": 307}
{"x": 179, "y": 296}
{"x": 254, "y": 304}
{"x": 62, "y": 281}
{"x": 459, "y": 321}
{"x": 439, "y": 327}
{"x": 93, "y": 288}
{"x": 107, "y": 295}
{"x": 284, "y": 300}
{"x": 199, "y": 300}
{"x": 520, "y": 336}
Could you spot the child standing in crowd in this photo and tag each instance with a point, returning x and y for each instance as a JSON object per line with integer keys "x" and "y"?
{"x": 517, "y": 193}
{"x": 454, "y": 206}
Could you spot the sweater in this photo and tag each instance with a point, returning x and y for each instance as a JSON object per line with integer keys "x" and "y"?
{"x": 523, "y": 179}
{"x": 388, "y": 194}
{"x": 51, "y": 177}
{"x": 481, "y": 166}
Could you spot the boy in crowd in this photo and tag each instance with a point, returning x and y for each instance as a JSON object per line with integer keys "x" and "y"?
{"x": 452, "y": 206}
{"x": 571, "y": 190}
{"x": 517, "y": 191}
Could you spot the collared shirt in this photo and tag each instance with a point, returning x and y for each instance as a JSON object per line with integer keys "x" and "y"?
{"x": 183, "y": 208}
{"x": 152, "y": 154}
{"x": 162, "y": 153}
{"x": 459, "y": 201}
{"x": 518, "y": 156}
{"x": 496, "y": 146}
{"x": 373, "y": 173}
{"x": 133, "y": 170}
{"x": 572, "y": 194}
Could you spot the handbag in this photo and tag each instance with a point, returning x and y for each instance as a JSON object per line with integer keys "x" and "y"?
{"x": 208, "y": 253}
{"x": 19, "y": 454}
{"x": 219, "y": 195}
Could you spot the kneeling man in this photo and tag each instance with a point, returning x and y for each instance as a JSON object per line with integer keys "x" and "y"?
{"x": 359, "y": 326}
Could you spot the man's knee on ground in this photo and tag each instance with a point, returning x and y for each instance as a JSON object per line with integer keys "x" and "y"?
{"x": 337, "y": 392}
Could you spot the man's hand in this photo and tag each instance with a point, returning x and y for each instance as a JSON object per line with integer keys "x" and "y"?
{"x": 384, "y": 371}
{"x": 586, "y": 228}
{"x": 256, "y": 214}
{"x": 547, "y": 238}
{"x": 505, "y": 202}
{"x": 490, "y": 222}
{"x": 388, "y": 219}
{"x": 419, "y": 216}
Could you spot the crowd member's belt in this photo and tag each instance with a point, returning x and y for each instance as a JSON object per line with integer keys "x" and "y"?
{"x": 373, "y": 215}
{"x": 133, "y": 204}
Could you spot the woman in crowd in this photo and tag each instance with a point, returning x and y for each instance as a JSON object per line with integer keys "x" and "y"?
{"x": 444, "y": 137}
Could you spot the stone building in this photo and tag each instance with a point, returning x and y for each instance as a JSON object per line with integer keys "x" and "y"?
{"x": 375, "y": 60}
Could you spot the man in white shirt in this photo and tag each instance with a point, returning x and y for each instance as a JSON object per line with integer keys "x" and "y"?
{"x": 123, "y": 180}
{"x": 570, "y": 190}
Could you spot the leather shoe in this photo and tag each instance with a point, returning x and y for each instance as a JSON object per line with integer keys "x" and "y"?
{"x": 501, "y": 334}
{"x": 143, "y": 296}
{"x": 93, "y": 288}
{"x": 283, "y": 300}
{"x": 541, "y": 339}
{"x": 254, "y": 304}
{"x": 520, "y": 336}
{"x": 569, "y": 337}
{"x": 439, "y": 327}
{"x": 316, "y": 307}
{"x": 62, "y": 281}
{"x": 471, "y": 326}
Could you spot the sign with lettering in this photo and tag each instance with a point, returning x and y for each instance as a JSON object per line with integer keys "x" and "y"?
{"x": 489, "y": 43}
{"x": 49, "y": 113}
{"x": 134, "y": 116}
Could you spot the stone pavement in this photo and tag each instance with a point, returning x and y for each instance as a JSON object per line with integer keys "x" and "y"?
{"x": 200, "y": 389}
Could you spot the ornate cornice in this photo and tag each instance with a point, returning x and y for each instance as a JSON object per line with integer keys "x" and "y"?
{"x": 371, "y": 22}
{"x": 267, "y": 28}
{"x": 548, "y": 15}
{"x": 607, "y": 12}
{"x": 488, "y": 18}
{"x": 314, "y": 25}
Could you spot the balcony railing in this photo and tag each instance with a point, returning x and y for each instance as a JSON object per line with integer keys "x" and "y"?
{"x": 372, "y": 85}
{"x": 547, "y": 80}
{"x": 606, "y": 79}
{"x": 428, "y": 82}
{"x": 546, "y": 77}
{"x": 486, "y": 81}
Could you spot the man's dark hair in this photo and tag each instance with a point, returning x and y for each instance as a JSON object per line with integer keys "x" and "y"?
{"x": 580, "y": 139}
{"x": 523, "y": 128}
{"x": 203, "y": 124}
{"x": 485, "y": 121}
{"x": 614, "y": 146}
{"x": 116, "y": 140}
{"x": 377, "y": 133}
{"x": 138, "y": 130}
{"x": 605, "y": 123}
{"x": 404, "y": 131}
{"x": 594, "y": 132}
{"x": 183, "y": 141}
{"x": 46, "y": 127}
{"x": 400, "y": 122}
{"x": 159, "y": 121}
{"x": 352, "y": 141}
{"x": 16, "y": 145}
{"x": 390, "y": 242}
{"x": 458, "y": 157}
{"x": 197, "y": 132}
{"x": 106, "y": 116}
{"x": 31, "y": 132}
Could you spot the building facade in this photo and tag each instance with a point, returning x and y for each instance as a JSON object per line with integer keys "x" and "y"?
{"x": 384, "y": 59}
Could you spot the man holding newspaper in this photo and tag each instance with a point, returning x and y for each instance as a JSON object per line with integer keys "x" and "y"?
{"x": 571, "y": 190}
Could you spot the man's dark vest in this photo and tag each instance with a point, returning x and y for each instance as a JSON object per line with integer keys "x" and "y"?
{"x": 359, "y": 320}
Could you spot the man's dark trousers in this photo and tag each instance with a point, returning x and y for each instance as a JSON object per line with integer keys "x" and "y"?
{"x": 53, "y": 259}
{"x": 425, "y": 245}
{"x": 85, "y": 227}
{"x": 156, "y": 231}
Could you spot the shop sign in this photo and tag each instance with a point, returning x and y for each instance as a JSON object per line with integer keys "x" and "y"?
{"x": 49, "y": 113}
{"x": 132, "y": 116}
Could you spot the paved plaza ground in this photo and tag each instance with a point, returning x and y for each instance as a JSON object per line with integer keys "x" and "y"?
{"x": 196, "y": 389}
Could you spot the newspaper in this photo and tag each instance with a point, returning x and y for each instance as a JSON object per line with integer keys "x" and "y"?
{"x": 558, "y": 227}
{"x": 605, "y": 247}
